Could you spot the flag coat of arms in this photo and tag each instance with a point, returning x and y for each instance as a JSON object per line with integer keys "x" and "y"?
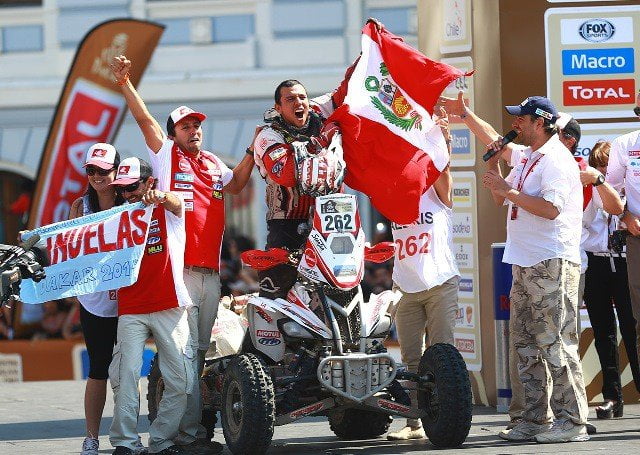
{"x": 393, "y": 149}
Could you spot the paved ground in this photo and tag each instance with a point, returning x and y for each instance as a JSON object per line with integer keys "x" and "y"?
{"x": 47, "y": 418}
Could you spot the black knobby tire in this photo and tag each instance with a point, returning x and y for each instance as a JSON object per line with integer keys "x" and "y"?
{"x": 448, "y": 402}
{"x": 359, "y": 424}
{"x": 248, "y": 406}
{"x": 154, "y": 389}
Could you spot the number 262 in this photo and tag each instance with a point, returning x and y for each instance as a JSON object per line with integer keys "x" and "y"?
{"x": 413, "y": 245}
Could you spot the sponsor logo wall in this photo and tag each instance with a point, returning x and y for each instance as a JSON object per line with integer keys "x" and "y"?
{"x": 463, "y": 144}
{"x": 465, "y": 248}
{"x": 591, "y": 56}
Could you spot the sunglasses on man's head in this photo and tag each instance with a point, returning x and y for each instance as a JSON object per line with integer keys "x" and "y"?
{"x": 92, "y": 170}
{"x": 130, "y": 188}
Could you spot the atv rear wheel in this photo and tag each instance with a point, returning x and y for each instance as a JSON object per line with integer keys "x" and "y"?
{"x": 248, "y": 406}
{"x": 447, "y": 400}
{"x": 359, "y": 423}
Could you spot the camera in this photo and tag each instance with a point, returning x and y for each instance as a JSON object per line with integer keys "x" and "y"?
{"x": 618, "y": 240}
{"x": 18, "y": 262}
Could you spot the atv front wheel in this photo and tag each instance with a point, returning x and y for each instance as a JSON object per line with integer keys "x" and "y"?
{"x": 248, "y": 406}
{"x": 447, "y": 398}
{"x": 359, "y": 423}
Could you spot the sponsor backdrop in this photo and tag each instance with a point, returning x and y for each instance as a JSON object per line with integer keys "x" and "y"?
{"x": 583, "y": 56}
{"x": 467, "y": 335}
{"x": 591, "y": 58}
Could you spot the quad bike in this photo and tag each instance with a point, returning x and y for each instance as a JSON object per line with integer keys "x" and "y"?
{"x": 320, "y": 351}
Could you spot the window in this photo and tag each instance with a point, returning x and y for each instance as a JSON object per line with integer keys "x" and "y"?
{"x": 232, "y": 28}
{"x": 22, "y": 38}
{"x": 306, "y": 18}
{"x": 396, "y": 20}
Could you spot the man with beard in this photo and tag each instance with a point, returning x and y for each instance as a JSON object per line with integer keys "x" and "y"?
{"x": 544, "y": 197}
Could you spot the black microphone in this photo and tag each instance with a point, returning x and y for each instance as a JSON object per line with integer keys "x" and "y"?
{"x": 509, "y": 137}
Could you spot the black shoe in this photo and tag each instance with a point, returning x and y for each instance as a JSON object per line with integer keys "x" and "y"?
{"x": 590, "y": 428}
{"x": 173, "y": 450}
{"x": 610, "y": 409}
{"x": 120, "y": 450}
{"x": 202, "y": 447}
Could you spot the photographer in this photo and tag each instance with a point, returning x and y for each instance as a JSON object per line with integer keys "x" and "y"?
{"x": 606, "y": 286}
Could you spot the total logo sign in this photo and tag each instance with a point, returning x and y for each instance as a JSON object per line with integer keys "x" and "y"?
{"x": 598, "y": 92}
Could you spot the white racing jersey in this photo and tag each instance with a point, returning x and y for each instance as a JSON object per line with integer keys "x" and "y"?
{"x": 424, "y": 255}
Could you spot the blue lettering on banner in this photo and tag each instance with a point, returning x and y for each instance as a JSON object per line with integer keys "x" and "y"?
{"x": 460, "y": 142}
{"x": 598, "y": 61}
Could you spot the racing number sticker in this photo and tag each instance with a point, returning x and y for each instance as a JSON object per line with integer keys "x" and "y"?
{"x": 412, "y": 245}
{"x": 337, "y": 222}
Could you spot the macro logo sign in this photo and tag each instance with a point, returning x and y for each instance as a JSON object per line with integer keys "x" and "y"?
{"x": 598, "y": 61}
{"x": 597, "y": 30}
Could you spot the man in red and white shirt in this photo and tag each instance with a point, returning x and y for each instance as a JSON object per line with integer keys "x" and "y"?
{"x": 155, "y": 305}
{"x": 198, "y": 177}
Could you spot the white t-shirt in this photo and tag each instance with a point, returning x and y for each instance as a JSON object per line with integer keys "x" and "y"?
{"x": 623, "y": 171}
{"x": 556, "y": 178}
{"x": 424, "y": 254}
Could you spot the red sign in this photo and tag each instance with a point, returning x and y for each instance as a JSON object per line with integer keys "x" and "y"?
{"x": 599, "y": 92}
{"x": 92, "y": 116}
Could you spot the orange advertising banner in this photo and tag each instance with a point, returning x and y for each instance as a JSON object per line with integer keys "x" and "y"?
{"x": 91, "y": 109}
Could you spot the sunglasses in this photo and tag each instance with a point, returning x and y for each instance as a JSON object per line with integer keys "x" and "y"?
{"x": 91, "y": 171}
{"x": 567, "y": 135}
{"x": 130, "y": 188}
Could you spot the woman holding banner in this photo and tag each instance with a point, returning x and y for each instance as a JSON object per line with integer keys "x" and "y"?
{"x": 98, "y": 311}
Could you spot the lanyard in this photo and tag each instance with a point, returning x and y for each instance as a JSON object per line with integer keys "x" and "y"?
{"x": 524, "y": 177}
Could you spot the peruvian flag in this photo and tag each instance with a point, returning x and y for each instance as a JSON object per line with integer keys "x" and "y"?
{"x": 393, "y": 150}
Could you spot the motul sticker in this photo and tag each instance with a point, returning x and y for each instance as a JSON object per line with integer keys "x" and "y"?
{"x": 310, "y": 257}
{"x": 268, "y": 333}
{"x": 392, "y": 406}
{"x": 307, "y": 410}
{"x": 598, "y": 92}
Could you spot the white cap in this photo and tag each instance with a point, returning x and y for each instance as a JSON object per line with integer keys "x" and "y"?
{"x": 101, "y": 155}
{"x": 183, "y": 111}
{"x": 563, "y": 119}
{"x": 130, "y": 171}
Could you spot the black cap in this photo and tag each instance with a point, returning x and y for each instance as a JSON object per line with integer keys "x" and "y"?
{"x": 535, "y": 105}
{"x": 572, "y": 128}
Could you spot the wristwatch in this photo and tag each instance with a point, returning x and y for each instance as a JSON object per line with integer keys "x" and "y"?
{"x": 599, "y": 180}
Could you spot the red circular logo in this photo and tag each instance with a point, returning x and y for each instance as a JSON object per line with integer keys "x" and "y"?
{"x": 184, "y": 165}
{"x": 310, "y": 257}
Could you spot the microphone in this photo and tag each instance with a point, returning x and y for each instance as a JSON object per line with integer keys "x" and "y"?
{"x": 509, "y": 137}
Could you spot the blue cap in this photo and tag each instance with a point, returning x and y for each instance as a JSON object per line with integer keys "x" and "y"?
{"x": 535, "y": 105}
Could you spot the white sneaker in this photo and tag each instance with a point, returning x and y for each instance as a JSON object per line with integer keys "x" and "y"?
{"x": 564, "y": 430}
{"x": 524, "y": 431}
{"x": 407, "y": 433}
{"x": 90, "y": 446}
{"x": 139, "y": 448}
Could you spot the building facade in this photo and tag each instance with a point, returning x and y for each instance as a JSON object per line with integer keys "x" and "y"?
{"x": 223, "y": 57}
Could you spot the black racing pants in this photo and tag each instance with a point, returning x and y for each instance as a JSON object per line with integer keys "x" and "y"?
{"x": 603, "y": 290}
{"x": 276, "y": 281}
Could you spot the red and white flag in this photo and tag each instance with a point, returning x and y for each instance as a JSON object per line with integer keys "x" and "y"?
{"x": 393, "y": 149}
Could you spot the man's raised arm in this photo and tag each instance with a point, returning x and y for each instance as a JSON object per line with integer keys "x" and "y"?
{"x": 151, "y": 129}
